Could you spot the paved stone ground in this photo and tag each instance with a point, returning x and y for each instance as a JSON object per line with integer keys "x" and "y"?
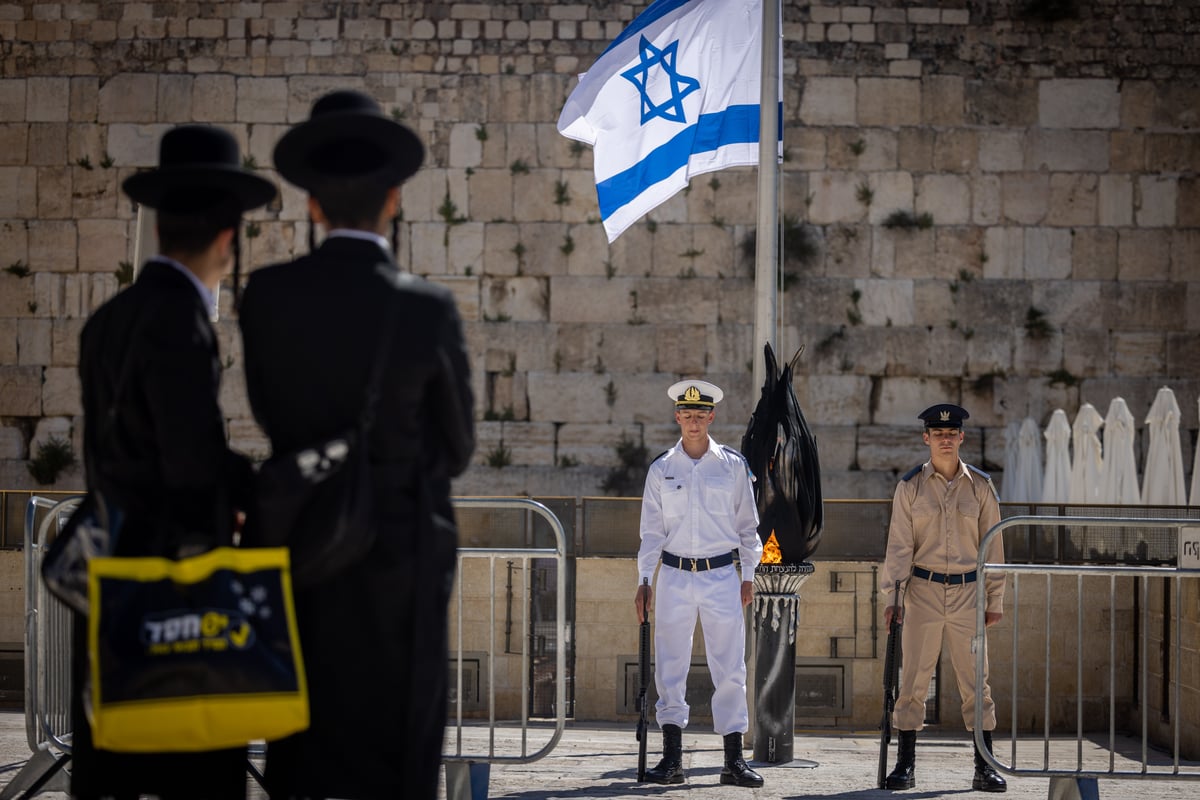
{"x": 599, "y": 761}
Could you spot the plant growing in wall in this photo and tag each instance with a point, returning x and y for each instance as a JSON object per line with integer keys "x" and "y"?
{"x": 865, "y": 194}
{"x": 858, "y": 147}
{"x": 499, "y": 456}
{"x": 107, "y": 161}
{"x": 568, "y": 245}
{"x": 1061, "y": 377}
{"x": 634, "y": 317}
{"x": 562, "y": 193}
{"x": 54, "y": 456}
{"x": 18, "y": 269}
{"x": 800, "y": 248}
{"x": 907, "y": 220}
{"x": 84, "y": 161}
{"x": 628, "y": 476}
{"x": 854, "y": 314}
{"x": 1036, "y": 324}
{"x": 481, "y": 133}
{"x": 124, "y": 273}
{"x": 519, "y": 167}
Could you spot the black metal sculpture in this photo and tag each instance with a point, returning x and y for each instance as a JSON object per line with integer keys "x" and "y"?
{"x": 783, "y": 456}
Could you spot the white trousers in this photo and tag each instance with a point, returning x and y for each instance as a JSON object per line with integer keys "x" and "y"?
{"x": 715, "y": 597}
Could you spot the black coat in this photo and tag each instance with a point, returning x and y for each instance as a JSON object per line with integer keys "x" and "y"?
{"x": 374, "y": 638}
{"x": 150, "y": 353}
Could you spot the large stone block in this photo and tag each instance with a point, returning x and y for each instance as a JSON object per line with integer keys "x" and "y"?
{"x": 889, "y": 101}
{"x": 829, "y": 101}
{"x": 46, "y": 100}
{"x": 1068, "y": 151}
{"x": 524, "y": 299}
{"x": 1094, "y": 254}
{"x": 1025, "y": 197}
{"x": 944, "y": 99}
{"x": 835, "y": 198}
{"x": 61, "y": 392}
{"x": 134, "y": 145}
{"x": 492, "y": 195}
{"x": 464, "y": 256}
{"x": 128, "y": 97}
{"x": 958, "y": 254}
{"x": 1115, "y": 200}
{"x": 1143, "y": 255}
{"x": 1079, "y": 103}
{"x": 1155, "y": 201}
{"x": 901, "y": 399}
{"x": 547, "y": 246}
{"x": 1073, "y": 199}
{"x": 947, "y": 198}
{"x": 1185, "y": 257}
{"x": 834, "y": 399}
{"x": 47, "y": 143}
{"x": 1001, "y": 150}
{"x": 595, "y": 300}
{"x": 1141, "y": 353}
{"x": 1011, "y": 103}
{"x": 895, "y": 446}
{"x": 1183, "y": 358}
{"x": 885, "y": 302}
{"x": 262, "y": 99}
{"x": 103, "y": 244}
{"x": 21, "y": 391}
{"x": 1047, "y": 253}
{"x": 52, "y": 245}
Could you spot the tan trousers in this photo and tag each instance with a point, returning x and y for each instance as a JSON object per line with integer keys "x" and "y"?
{"x": 933, "y": 611}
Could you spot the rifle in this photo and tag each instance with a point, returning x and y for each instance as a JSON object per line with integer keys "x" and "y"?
{"x": 643, "y": 726}
{"x": 891, "y": 679}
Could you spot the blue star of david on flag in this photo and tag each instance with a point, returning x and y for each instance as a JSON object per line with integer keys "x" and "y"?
{"x": 630, "y": 104}
{"x": 681, "y": 85}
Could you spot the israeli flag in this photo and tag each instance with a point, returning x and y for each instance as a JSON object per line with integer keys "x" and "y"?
{"x": 675, "y": 95}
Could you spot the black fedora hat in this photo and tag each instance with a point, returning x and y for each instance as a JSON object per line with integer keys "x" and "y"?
{"x": 199, "y": 166}
{"x": 348, "y": 136}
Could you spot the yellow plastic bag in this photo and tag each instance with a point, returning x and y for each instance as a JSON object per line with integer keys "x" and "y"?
{"x": 196, "y": 654}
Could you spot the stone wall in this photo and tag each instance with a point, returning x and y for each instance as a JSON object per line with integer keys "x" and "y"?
{"x": 1056, "y": 161}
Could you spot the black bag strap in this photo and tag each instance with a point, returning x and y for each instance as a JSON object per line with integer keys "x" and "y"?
{"x": 382, "y": 350}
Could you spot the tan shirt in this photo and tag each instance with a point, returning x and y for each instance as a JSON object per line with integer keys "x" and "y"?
{"x": 938, "y": 525}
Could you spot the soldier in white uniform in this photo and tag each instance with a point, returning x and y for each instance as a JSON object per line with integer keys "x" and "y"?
{"x": 940, "y": 513}
{"x": 697, "y": 509}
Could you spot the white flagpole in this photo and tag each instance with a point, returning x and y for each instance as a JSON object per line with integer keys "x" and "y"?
{"x": 766, "y": 290}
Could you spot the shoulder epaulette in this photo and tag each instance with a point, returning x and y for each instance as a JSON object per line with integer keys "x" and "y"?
{"x": 979, "y": 472}
{"x": 912, "y": 473}
{"x": 987, "y": 478}
{"x": 660, "y": 455}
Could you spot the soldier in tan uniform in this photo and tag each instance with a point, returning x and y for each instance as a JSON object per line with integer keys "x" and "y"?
{"x": 940, "y": 513}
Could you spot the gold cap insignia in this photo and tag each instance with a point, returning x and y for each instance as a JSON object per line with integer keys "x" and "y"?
{"x": 944, "y": 416}
{"x": 692, "y": 395}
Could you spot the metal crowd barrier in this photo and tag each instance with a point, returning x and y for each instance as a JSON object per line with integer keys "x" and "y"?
{"x": 47, "y": 659}
{"x": 467, "y": 765}
{"x": 1080, "y": 779}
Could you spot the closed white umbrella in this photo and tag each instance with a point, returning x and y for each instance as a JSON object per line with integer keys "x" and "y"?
{"x": 1086, "y": 462}
{"x": 1028, "y": 484}
{"x": 1119, "y": 484}
{"x": 1196, "y": 471}
{"x": 1056, "y": 483}
{"x": 1009, "y": 486}
{"x": 1162, "y": 482}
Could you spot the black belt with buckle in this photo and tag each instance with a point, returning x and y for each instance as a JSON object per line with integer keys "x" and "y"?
{"x": 943, "y": 578}
{"x": 697, "y": 564}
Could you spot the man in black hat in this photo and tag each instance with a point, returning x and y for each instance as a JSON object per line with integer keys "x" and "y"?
{"x": 940, "y": 513}
{"x": 375, "y": 641}
{"x": 154, "y": 440}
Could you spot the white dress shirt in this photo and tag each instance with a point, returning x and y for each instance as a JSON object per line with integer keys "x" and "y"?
{"x": 699, "y": 508}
